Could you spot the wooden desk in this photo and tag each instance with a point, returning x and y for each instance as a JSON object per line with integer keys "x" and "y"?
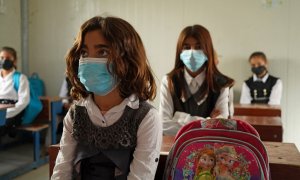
{"x": 53, "y": 151}
{"x": 3, "y": 108}
{"x": 268, "y": 127}
{"x": 284, "y": 159}
{"x": 256, "y": 110}
{"x": 52, "y": 106}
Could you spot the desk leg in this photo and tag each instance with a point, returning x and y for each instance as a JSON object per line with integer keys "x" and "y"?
{"x": 2, "y": 117}
{"x": 56, "y": 108}
{"x": 36, "y": 151}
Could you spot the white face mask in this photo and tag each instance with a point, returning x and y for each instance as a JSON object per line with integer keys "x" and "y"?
{"x": 193, "y": 59}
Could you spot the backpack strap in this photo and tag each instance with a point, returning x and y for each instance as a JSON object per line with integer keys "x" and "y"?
{"x": 16, "y": 79}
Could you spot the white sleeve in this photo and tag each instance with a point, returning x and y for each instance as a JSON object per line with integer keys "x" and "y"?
{"x": 171, "y": 124}
{"x": 23, "y": 97}
{"x": 63, "y": 93}
{"x": 64, "y": 162}
{"x": 245, "y": 95}
{"x": 222, "y": 104}
{"x": 147, "y": 151}
{"x": 276, "y": 93}
{"x": 231, "y": 104}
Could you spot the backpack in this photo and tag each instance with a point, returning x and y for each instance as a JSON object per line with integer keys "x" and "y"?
{"x": 37, "y": 84}
{"x": 217, "y": 149}
{"x": 35, "y": 105}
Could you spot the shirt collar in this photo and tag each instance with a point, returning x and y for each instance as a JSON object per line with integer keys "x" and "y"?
{"x": 8, "y": 76}
{"x": 199, "y": 78}
{"x": 132, "y": 101}
{"x": 264, "y": 79}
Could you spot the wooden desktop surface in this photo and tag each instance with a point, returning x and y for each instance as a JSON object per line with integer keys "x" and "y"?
{"x": 284, "y": 159}
{"x": 268, "y": 127}
{"x": 257, "y": 110}
{"x": 5, "y": 106}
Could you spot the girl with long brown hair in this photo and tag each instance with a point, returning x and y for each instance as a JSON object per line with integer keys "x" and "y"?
{"x": 110, "y": 132}
{"x": 195, "y": 88}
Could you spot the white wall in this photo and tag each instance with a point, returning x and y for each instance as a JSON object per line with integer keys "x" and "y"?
{"x": 238, "y": 27}
{"x": 10, "y": 26}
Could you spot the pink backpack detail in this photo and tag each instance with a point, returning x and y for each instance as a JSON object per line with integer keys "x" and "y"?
{"x": 217, "y": 149}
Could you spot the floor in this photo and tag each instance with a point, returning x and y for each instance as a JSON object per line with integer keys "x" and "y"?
{"x": 15, "y": 155}
{"x": 41, "y": 173}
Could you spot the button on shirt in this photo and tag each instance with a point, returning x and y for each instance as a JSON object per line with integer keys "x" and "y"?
{"x": 275, "y": 96}
{"x": 172, "y": 123}
{"x": 149, "y": 139}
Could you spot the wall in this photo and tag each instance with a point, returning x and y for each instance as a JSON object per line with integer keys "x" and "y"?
{"x": 238, "y": 27}
{"x": 10, "y": 26}
{"x": 291, "y": 107}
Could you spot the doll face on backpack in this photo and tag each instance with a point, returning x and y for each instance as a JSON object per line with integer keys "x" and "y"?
{"x": 206, "y": 161}
{"x": 225, "y": 159}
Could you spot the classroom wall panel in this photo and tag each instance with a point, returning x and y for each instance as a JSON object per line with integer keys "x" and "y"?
{"x": 292, "y": 115}
{"x": 10, "y": 26}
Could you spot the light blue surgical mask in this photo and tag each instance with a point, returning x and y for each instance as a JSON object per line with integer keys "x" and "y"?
{"x": 193, "y": 59}
{"x": 95, "y": 77}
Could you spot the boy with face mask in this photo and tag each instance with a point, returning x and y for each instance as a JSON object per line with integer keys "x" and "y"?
{"x": 261, "y": 87}
{"x": 8, "y": 93}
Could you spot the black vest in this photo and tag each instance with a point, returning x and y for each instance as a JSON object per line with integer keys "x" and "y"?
{"x": 260, "y": 92}
{"x": 190, "y": 106}
{"x": 106, "y": 152}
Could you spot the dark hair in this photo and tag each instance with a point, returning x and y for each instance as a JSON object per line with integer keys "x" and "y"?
{"x": 11, "y": 51}
{"x": 128, "y": 58}
{"x": 258, "y": 54}
{"x": 202, "y": 35}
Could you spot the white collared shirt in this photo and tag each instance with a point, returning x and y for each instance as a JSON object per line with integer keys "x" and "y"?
{"x": 194, "y": 83}
{"x": 171, "y": 124}
{"x": 64, "y": 92}
{"x": 275, "y": 96}
{"x": 7, "y": 91}
{"x": 146, "y": 153}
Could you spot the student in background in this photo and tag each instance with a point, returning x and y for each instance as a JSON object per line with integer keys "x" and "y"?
{"x": 110, "y": 131}
{"x": 261, "y": 87}
{"x": 195, "y": 88}
{"x": 8, "y": 93}
{"x": 65, "y": 94}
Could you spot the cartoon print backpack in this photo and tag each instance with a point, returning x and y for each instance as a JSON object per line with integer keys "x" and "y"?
{"x": 35, "y": 105}
{"x": 217, "y": 149}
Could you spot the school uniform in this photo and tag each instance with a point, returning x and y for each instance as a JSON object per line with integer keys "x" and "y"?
{"x": 266, "y": 90}
{"x": 8, "y": 92}
{"x": 176, "y": 110}
{"x": 124, "y": 143}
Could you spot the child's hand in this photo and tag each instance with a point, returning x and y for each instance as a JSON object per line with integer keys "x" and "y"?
{"x": 215, "y": 113}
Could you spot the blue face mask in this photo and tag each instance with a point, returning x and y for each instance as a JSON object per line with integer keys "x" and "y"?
{"x": 93, "y": 74}
{"x": 193, "y": 59}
